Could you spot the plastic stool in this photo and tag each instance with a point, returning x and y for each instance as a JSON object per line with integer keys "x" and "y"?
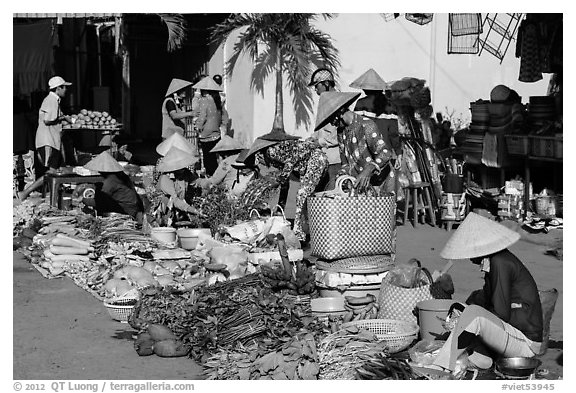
{"x": 417, "y": 198}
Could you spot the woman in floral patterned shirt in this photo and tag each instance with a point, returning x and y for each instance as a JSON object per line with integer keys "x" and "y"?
{"x": 287, "y": 153}
{"x": 365, "y": 152}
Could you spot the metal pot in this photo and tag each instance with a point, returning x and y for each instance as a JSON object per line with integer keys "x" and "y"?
{"x": 517, "y": 366}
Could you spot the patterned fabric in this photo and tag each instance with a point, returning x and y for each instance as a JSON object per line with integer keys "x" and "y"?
{"x": 530, "y": 60}
{"x": 305, "y": 159}
{"x": 362, "y": 144}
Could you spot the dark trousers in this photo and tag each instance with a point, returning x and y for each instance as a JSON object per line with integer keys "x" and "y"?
{"x": 210, "y": 159}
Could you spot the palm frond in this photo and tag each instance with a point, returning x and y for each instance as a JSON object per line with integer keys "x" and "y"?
{"x": 264, "y": 66}
{"x": 177, "y": 30}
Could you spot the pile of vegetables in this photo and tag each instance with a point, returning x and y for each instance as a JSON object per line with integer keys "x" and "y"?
{"x": 226, "y": 314}
{"x": 380, "y": 366}
{"x": 160, "y": 340}
{"x": 296, "y": 359}
{"x": 359, "y": 308}
{"x": 299, "y": 282}
{"x": 91, "y": 120}
{"x": 341, "y": 352}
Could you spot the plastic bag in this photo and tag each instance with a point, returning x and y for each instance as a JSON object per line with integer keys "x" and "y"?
{"x": 425, "y": 351}
{"x": 406, "y": 275}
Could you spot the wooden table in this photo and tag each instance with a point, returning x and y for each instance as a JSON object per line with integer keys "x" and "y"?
{"x": 55, "y": 181}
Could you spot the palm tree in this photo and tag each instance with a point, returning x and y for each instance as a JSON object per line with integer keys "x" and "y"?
{"x": 284, "y": 44}
{"x": 177, "y": 30}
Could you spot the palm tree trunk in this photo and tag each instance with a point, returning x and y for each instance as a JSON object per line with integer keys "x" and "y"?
{"x": 279, "y": 113}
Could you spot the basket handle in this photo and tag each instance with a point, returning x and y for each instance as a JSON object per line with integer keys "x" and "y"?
{"x": 278, "y": 207}
{"x": 254, "y": 211}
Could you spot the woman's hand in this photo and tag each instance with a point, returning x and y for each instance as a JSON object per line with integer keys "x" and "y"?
{"x": 398, "y": 162}
{"x": 363, "y": 179}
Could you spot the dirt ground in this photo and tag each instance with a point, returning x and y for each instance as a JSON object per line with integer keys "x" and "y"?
{"x": 62, "y": 332}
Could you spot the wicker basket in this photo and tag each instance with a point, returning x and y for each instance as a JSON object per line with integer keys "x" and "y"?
{"x": 120, "y": 309}
{"x": 372, "y": 264}
{"x": 518, "y": 145}
{"x": 397, "y": 334}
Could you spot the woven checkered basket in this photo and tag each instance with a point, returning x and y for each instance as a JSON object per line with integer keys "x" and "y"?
{"x": 351, "y": 226}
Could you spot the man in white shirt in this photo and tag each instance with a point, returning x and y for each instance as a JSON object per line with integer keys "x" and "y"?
{"x": 48, "y": 134}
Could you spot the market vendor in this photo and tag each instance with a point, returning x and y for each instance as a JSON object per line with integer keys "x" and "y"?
{"x": 228, "y": 150}
{"x": 212, "y": 117}
{"x": 289, "y": 154}
{"x": 378, "y": 108}
{"x": 246, "y": 170}
{"x": 327, "y": 137}
{"x": 175, "y": 178}
{"x": 364, "y": 150}
{"x": 506, "y": 316}
{"x": 173, "y": 113}
{"x": 117, "y": 193}
{"x": 49, "y": 133}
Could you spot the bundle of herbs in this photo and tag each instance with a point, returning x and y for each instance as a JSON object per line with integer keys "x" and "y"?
{"x": 218, "y": 209}
{"x": 295, "y": 359}
{"x": 226, "y": 314}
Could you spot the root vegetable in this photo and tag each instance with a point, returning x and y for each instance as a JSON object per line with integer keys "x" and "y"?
{"x": 81, "y": 243}
{"x": 160, "y": 332}
{"x": 171, "y": 348}
{"x": 59, "y": 241}
{"x": 65, "y": 250}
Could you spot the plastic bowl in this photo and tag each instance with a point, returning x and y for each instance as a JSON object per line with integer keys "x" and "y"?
{"x": 164, "y": 234}
{"x": 193, "y": 232}
{"x": 327, "y": 304}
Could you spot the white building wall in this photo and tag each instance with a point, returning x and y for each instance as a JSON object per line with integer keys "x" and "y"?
{"x": 395, "y": 49}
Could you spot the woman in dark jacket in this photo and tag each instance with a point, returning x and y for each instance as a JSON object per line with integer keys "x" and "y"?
{"x": 506, "y": 316}
{"x": 117, "y": 193}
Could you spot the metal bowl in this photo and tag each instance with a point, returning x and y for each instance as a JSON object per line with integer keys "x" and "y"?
{"x": 518, "y": 366}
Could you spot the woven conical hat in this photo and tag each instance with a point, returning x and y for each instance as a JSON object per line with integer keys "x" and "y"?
{"x": 207, "y": 83}
{"x": 227, "y": 144}
{"x": 370, "y": 80}
{"x": 478, "y": 236}
{"x": 176, "y": 159}
{"x": 330, "y": 102}
{"x": 175, "y": 85}
{"x": 175, "y": 140}
{"x": 104, "y": 162}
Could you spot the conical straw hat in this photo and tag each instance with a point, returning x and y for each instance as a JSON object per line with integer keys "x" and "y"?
{"x": 330, "y": 102}
{"x": 478, "y": 236}
{"x": 240, "y": 160}
{"x": 176, "y": 159}
{"x": 207, "y": 83}
{"x": 370, "y": 80}
{"x": 104, "y": 162}
{"x": 258, "y": 145}
{"x": 176, "y": 85}
{"x": 175, "y": 140}
{"x": 227, "y": 144}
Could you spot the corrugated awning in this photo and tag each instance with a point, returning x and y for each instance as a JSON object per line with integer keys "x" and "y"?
{"x": 63, "y": 15}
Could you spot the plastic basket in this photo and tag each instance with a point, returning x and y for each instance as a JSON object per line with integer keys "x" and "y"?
{"x": 518, "y": 144}
{"x": 120, "y": 309}
{"x": 397, "y": 334}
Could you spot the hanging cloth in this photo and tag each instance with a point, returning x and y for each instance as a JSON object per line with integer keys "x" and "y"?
{"x": 33, "y": 57}
{"x": 530, "y": 55}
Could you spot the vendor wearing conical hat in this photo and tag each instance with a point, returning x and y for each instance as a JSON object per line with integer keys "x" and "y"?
{"x": 176, "y": 178}
{"x": 212, "y": 121}
{"x": 117, "y": 193}
{"x": 173, "y": 114}
{"x": 228, "y": 150}
{"x": 289, "y": 154}
{"x": 322, "y": 80}
{"x": 504, "y": 317}
{"x": 377, "y": 107}
{"x": 364, "y": 150}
